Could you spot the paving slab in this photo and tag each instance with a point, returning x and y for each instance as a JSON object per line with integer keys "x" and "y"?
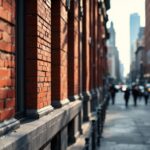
{"x": 126, "y": 128}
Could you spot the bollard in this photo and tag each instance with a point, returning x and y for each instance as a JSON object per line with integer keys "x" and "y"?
{"x": 98, "y": 126}
{"x": 102, "y": 117}
{"x": 87, "y": 143}
{"x": 93, "y": 135}
{"x": 101, "y": 121}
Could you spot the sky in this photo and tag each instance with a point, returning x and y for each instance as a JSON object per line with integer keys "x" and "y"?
{"x": 119, "y": 13}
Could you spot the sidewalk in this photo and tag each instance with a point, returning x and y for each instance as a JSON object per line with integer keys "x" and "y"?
{"x": 126, "y": 129}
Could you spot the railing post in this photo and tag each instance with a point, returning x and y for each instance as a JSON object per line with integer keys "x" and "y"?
{"x": 93, "y": 135}
{"x": 87, "y": 143}
{"x": 99, "y": 125}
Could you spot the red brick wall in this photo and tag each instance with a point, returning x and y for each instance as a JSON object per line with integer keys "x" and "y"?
{"x": 94, "y": 43}
{"x": 91, "y": 7}
{"x": 98, "y": 49}
{"x": 73, "y": 49}
{"x": 51, "y": 52}
{"x": 86, "y": 48}
{"x": 38, "y": 54}
{"x": 44, "y": 53}
{"x": 7, "y": 59}
{"x": 93, "y": 47}
{"x": 147, "y": 36}
{"x": 59, "y": 50}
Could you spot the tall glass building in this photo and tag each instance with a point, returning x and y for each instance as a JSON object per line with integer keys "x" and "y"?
{"x": 134, "y": 30}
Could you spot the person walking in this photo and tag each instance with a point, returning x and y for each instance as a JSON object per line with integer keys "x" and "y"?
{"x": 113, "y": 91}
{"x": 135, "y": 94}
{"x": 126, "y": 96}
{"x": 146, "y": 96}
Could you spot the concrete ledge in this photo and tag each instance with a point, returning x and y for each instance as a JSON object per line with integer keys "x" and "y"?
{"x": 60, "y": 103}
{"x": 8, "y": 125}
{"x": 33, "y": 134}
{"x": 75, "y": 97}
{"x": 39, "y": 113}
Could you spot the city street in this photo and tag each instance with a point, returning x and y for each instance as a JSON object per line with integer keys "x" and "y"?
{"x": 59, "y": 59}
{"x": 126, "y": 129}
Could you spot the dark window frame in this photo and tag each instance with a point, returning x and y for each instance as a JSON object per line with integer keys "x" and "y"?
{"x": 20, "y": 69}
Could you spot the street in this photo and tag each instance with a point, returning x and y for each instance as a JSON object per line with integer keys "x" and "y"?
{"x": 126, "y": 128}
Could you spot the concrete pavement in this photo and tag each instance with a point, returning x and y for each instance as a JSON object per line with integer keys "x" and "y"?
{"x": 126, "y": 129}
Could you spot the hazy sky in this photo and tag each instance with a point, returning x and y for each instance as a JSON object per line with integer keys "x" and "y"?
{"x": 120, "y": 14}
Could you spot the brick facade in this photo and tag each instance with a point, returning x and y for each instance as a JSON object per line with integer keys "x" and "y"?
{"x": 37, "y": 54}
{"x": 85, "y": 52}
{"x": 64, "y": 62}
{"x": 147, "y": 42}
{"x": 7, "y": 59}
{"x": 73, "y": 49}
{"x": 59, "y": 51}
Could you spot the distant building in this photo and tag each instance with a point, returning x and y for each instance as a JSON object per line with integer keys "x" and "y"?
{"x": 134, "y": 30}
{"x": 113, "y": 55}
{"x": 146, "y": 63}
{"x": 140, "y": 40}
{"x": 121, "y": 72}
{"x": 140, "y": 44}
{"x": 139, "y": 64}
{"x": 112, "y": 40}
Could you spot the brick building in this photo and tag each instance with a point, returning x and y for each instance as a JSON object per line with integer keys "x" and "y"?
{"x": 146, "y": 63}
{"x": 52, "y": 66}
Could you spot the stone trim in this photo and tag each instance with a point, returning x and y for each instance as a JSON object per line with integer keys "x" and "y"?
{"x": 32, "y": 113}
{"x": 33, "y": 134}
{"x": 8, "y": 125}
{"x": 60, "y": 103}
{"x": 74, "y": 97}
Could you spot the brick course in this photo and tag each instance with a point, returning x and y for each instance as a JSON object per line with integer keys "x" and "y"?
{"x": 86, "y": 52}
{"x": 59, "y": 51}
{"x": 73, "y": 51}
{"x": 7, "y": 59}
{"x": 38, "y": 54}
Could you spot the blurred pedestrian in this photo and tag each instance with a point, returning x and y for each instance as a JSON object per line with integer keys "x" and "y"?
{"x": 113, "y": 91}
{"x": 135, "y": 94}
{"x": 146, "y": 96}
{"x": 140, "y": 90}
{"x": 126, "y": 96}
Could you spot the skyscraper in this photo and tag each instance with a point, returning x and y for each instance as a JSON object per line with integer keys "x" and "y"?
{"x": 113, "y": 55}
{"x": 112, "y": 40}
{"x": 134, "y": 30}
